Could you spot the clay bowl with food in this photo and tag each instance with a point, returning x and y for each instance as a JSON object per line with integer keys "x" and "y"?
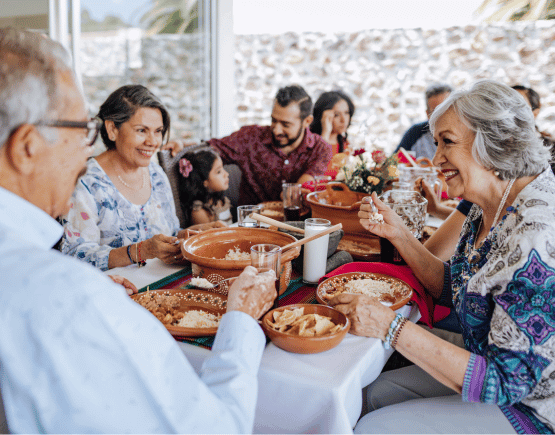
{"x": 338, "y": 204}
{"x": 207, "y": 252}
{"x": 293, "y": 342}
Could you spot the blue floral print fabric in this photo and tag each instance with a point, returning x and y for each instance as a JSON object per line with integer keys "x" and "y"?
{"x": 101, "y": 218}
{"x": 504, "y": 296}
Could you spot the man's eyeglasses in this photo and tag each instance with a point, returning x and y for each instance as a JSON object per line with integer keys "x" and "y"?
{"x": 92, "y": 126}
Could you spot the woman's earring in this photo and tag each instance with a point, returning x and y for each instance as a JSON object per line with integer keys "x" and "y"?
{"x": 496, "y": 173}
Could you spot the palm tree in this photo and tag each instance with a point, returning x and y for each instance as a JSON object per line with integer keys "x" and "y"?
{"x": 171, "y": 16}
{"x": 516, "y": 10}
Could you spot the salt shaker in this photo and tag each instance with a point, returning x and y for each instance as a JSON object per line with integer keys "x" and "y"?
{"x": 315, "y": 252}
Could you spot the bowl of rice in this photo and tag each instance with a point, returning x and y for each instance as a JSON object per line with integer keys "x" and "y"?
{"x": 223, "y": 253}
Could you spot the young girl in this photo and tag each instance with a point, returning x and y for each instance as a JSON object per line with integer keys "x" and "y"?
{"x": 203, "y": 181}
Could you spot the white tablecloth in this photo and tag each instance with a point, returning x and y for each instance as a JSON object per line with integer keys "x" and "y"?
{"x": 315, "y": 393}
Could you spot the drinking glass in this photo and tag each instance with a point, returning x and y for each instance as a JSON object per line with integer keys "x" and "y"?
{"x": 315, "y": 252}
{"x": 267, "y": 258}
{"x": 409, "y": 174}
{"x": 243, "y": 215}
{"x": 292, "y": 201}
{"x": 400, "y": 185}
{"x": 411, "y": 208}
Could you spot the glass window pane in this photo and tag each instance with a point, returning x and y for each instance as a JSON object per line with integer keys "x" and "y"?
{"x": 28, "y": 14}
{"x": 161, "y": 44}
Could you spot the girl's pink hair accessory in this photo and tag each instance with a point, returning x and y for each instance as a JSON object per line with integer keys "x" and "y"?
{"x": 185, "y": 167}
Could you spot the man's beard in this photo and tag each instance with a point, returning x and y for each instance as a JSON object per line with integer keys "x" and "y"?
{"x": 290, "y": 141}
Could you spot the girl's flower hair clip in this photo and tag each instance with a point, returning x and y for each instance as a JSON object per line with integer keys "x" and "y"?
{"x": 185, "y": 167}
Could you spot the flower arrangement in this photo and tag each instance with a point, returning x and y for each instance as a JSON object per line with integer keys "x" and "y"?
{"x": 368, "y": 172}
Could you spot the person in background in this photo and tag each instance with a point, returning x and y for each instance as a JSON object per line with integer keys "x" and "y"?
{"x": 333, "y": 112}
{"x": 418, "y": 137}
{"x": 77, "y": 355}
{"x": 499, "y": 280}
{"x": 284, "y": 152}
{"x": 533, "y": 99}
{"x": 122, "y": 211}
{"x": 202, "y": 182}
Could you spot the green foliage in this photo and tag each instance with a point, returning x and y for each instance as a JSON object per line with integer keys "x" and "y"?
{"x": 171, "y": 16}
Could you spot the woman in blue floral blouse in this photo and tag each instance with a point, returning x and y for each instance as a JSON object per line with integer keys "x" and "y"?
{"x": 122, "y": 210}
{"x": 501, "y": 282}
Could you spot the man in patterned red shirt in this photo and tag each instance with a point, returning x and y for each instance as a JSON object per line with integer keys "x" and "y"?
{"x": 284, "y": 152}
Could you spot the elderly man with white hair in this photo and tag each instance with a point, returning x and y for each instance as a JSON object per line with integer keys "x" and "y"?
{"x": 76, "y": 353}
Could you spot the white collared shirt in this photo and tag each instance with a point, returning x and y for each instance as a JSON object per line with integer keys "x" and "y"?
{"x": 78, "y": 355}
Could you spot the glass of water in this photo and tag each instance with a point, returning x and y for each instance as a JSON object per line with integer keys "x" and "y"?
{"x": 243, "y": 215}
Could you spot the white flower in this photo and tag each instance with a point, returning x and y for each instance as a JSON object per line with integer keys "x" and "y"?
{"x": 340, "y": 175}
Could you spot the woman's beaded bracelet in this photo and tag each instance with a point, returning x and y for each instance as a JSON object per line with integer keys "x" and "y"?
{"x": 404, "y": 321}
{"x": 129, "y": 254}
{"x": 139, "y": 261}
{"x": 395, "y": 323}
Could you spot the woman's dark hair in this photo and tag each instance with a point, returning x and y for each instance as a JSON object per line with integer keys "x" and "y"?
{"x": 326, "y": 101}
{"x": 122, "y": 104}
{"x": 533, "y": 96}
{"x": 191, "y": 188}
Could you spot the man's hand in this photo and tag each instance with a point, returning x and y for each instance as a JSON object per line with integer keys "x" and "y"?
{"x": 252, "y": 293}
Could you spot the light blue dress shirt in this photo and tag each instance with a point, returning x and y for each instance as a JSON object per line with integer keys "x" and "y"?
{"x": 77, "y": 355}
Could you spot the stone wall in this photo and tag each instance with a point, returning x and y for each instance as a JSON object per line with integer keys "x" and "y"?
{"x": 385, "y": 71}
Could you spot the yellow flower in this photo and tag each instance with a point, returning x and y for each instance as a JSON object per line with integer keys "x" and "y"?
{"x": 393, "y": 171}
{"x": 373, "y": 180}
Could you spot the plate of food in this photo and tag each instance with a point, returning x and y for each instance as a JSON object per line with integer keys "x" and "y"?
{"x": 361, "y": 248}
{"x": 390, "y": 291}
{"x": 274, "y": 210}
{"x": 185, "y": 312}
{"x": 305, "y": 328}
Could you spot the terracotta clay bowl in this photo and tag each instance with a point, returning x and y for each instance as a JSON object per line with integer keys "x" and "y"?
{"x": 207, "y": 250}
{"x": 297, "y": 344}
{"x": 338, "y": 204}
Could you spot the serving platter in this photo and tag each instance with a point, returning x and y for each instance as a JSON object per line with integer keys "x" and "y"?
{"x": 400, "y": 295}
{"x": 274, "y": 210}
{"x": 361, "y": 248}
{"x": 191, "y": 299}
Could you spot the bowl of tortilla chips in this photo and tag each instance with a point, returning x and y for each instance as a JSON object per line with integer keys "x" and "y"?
{"x": 305, "y": 328}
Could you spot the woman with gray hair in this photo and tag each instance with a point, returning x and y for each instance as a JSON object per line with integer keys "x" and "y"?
{"x": 501, "y": 282}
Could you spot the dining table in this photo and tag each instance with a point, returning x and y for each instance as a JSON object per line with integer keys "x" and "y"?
{"x": 297, "y": 393}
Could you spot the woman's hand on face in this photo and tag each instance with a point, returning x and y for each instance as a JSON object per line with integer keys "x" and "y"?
{"x": 128, "y": 285}
{"x": 367, "y": 315}
{"x": 327, "y": 122}
{"x": 391, "y": 227}
{"x": 165, "y": 248}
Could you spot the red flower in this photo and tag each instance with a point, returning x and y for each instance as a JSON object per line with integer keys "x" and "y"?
{"x": 378, "y": 156}
{"x": 359, "y": 152}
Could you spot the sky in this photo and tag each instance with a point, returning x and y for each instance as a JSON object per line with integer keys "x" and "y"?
{"x": 278, "y": 16}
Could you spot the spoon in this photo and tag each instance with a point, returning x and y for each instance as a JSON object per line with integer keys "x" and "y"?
{"x": 311, "y": 238}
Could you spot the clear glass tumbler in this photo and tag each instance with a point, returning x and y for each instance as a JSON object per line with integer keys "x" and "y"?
{"x": 243, "y": 215}
{"x": 292, "y": 201}
{"x": 266, "y": 258}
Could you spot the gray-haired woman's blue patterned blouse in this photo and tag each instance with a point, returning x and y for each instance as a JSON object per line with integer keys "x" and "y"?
{"x": 101, "y": 218}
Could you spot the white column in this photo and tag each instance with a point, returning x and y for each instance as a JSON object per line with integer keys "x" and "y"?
{"x": 222, "y": 68}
